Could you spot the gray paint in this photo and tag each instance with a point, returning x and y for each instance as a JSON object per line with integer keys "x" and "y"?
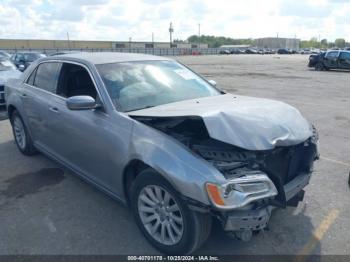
{"x": 246, "y": 122}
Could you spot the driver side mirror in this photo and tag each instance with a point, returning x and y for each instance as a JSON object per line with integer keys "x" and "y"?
{"x": 212, "y": 82}
{"x": 81, "y": 103}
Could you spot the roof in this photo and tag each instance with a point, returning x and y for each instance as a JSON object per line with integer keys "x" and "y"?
{"x": 109, "y": 57}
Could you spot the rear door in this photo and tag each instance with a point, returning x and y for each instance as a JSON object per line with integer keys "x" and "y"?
{"x": 344, "y": 60}
{"x": 36, "y": 95}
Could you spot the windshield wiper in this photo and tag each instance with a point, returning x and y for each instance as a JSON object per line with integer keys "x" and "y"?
{"x": 139, "y": 108}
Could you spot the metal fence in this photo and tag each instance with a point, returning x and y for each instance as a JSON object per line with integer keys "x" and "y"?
{"x": 152, "y": 51}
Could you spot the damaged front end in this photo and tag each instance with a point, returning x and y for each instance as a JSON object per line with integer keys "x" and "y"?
{"x": 257, "y": 180}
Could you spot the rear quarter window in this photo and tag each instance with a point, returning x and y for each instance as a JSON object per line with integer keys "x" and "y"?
{"x": 30, "y": 80}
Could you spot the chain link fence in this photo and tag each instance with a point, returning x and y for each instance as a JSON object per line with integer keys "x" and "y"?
{"x": 152, "y": 51}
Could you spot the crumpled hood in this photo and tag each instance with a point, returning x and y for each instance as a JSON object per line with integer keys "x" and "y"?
{"x": 247, "y": 122}
{"x": 8, "y": 74}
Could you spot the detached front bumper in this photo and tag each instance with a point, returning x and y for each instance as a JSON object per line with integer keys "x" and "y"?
{"x": 257, "y": 219}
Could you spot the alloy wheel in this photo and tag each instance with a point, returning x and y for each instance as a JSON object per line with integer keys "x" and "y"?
{"x": 20, "y": 134}
{"x": 160, "y": 215}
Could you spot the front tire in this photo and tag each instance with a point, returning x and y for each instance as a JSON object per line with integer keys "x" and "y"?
{"x": 164, "y": 218}
{"x": 22, "y": 137}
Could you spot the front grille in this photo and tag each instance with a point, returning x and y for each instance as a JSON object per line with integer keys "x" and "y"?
{"x": 285, "y": 163}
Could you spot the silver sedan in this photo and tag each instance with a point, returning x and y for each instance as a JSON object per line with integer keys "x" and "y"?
{"x": 164, "y": 141}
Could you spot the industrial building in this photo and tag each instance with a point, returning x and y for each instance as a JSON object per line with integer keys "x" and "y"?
{"x": 276, "y": 43}
{"x": 80, "y": 44}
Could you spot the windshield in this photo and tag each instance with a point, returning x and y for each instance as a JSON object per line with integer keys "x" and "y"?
{"x": 32, "y": 57}
{"x": 6, "y": 65}
{"x": 138, "y": 85}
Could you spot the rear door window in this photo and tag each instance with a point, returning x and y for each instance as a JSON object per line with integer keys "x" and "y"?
{"x": 46, "y": 76}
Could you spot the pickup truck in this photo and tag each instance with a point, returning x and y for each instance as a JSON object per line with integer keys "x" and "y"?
{"x": 335, "y": 59}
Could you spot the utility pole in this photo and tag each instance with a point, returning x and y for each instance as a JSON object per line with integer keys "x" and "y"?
{"x": 171, "y": 30}
{"x": 68, "y": 41}
{"x": 199, "y": 35}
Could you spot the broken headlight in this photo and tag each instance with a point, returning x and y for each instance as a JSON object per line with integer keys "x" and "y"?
{"x": 241, "y": 191}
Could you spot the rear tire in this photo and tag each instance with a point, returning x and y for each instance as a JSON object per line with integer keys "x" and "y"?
{"x": 21, "y": 135}
{"x": 164, "y": 218}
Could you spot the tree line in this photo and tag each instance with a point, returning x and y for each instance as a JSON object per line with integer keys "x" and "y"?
{"x": 324, "y": 43}
{"x": 217, "y": 41}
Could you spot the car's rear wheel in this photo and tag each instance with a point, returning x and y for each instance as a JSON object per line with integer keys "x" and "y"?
{"x": 22, "y": 137}
{"x": 164, "y": 218}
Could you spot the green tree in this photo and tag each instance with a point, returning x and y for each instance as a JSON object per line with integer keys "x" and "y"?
{"x": 340, "y": 42}
{"x": 217, "y": 41}
{"x": 324, "y": 43}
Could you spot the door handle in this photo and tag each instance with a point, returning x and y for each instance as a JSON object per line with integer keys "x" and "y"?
{"x": 54, "y": 109}
{"x": 24, "y": 95}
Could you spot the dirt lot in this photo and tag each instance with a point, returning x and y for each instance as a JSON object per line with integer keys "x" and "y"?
{"x": 44, "y": 209}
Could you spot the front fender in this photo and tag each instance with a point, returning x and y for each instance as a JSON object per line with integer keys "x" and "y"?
{"x": 187, "y": 172}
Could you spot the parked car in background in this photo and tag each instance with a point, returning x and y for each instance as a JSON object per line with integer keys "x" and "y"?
{"x": 261, "y": 51}
{"x": 7, "y": 70}
{"x": 334, "y": 59}
{"x": 283, "y": 51}
{"x": 64, "y": 53}
{"x": 4, "y": 54}
{"x": 236, "y": 51}
{"x": 305, "y": 51}
{"x": 155, "y": 135}
{"x": 251, "y": 51}
{"x": 23, "y": 59}
{"x": 315, "y": 58}
{"x": 268, "y": 51}
{"x": 224, "y": 52}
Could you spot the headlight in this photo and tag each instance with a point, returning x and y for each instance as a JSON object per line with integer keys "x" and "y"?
{"x": 241, "y": 191}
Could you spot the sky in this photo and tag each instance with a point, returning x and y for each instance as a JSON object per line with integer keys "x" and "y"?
{"x": 118, "y": 20}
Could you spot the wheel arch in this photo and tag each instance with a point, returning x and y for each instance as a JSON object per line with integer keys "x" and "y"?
{"x": 133, "y": 169}
{"x": 10, "y": 109}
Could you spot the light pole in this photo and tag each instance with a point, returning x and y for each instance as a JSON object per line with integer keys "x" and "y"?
{"x": 68, "y": 41}
{"x": 199, "y": 35}
{"x": 171, "y": 30}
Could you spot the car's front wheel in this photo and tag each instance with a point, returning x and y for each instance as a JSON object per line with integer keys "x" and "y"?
{"x": 164, "y": 218}
{"x": 22, "y": 137}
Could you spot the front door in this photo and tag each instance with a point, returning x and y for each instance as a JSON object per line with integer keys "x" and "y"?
{"x": 89, "y": 141}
